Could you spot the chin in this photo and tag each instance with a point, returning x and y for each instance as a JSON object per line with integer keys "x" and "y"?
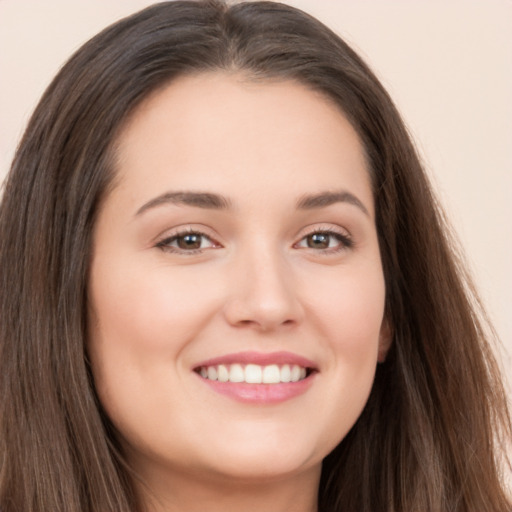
{"x": 266, "y": 458}
{"x": 256, "y": 468}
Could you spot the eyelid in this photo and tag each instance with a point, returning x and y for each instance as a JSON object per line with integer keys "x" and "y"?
{"x": 342, "y": 234}
{"x": 163, "y": 241}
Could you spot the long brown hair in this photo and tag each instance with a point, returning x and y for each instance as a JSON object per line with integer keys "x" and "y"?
{"x": 431, "y": 434}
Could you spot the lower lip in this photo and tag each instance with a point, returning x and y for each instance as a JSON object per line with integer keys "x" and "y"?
{"x": 260, "y": 393}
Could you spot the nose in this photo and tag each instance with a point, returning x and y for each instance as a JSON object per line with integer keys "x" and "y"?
{"x": 262, "y": 293}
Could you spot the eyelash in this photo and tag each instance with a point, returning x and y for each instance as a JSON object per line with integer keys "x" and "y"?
{"x": 344, "y": 240}
{"x": 165, "y": 244}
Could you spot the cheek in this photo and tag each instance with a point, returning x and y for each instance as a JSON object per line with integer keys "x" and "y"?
{"x": 150, "y": 310}
{"x": 350, "y": 318}
{"x": 350, "y": 308}
{"x": 349, "y": 314}
{"x": 140, "y": 320}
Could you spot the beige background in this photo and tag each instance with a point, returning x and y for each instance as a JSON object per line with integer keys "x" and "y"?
{"x": 448, "y": 65}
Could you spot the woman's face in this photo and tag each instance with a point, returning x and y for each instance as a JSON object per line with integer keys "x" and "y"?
{"x": 236, "y": 291}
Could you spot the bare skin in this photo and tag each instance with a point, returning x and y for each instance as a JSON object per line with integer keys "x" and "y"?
{"x": 274, "y": 495}
{"x": 239, "y": 244}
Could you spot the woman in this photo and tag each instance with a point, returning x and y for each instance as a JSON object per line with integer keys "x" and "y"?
{"x": 226, "y": 285}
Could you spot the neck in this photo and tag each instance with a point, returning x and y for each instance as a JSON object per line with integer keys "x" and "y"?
{"x": 186, "y": 493}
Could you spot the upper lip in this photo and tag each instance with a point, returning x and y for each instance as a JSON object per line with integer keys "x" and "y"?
{"x": 260, "y": 358}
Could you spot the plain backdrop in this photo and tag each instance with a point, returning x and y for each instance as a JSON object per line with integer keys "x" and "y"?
{"x": 446, "y": 63}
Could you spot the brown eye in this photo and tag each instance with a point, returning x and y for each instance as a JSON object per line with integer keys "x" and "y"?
{"x": 319, "y": 240}
{"x": 327, "y": 241}
{"x": 189, "y": 241}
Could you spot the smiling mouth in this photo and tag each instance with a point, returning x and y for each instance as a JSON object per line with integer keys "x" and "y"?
{"x": 255, "y": 374}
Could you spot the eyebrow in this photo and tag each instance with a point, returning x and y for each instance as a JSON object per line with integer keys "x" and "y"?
{"x": 209, "y": 201}
{"x": 324, "y": 199}
{"x": 204, "y": 200}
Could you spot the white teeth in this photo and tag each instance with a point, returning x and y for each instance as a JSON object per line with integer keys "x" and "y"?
{"x": 253, "y": 373}
{"x": 295, "y": 373}
{"x": 222, "y": 373}
{"x": 271, "y": 374}
{"x": 212, "y": 373}
{"x": 236, "y": 373}
{"x": 286, "y": 373}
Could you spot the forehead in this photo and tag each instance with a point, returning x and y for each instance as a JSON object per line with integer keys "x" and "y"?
{"x": 227, "y": 132}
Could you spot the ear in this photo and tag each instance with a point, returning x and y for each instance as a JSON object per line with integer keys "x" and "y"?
{"x": 385, "y": 340}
